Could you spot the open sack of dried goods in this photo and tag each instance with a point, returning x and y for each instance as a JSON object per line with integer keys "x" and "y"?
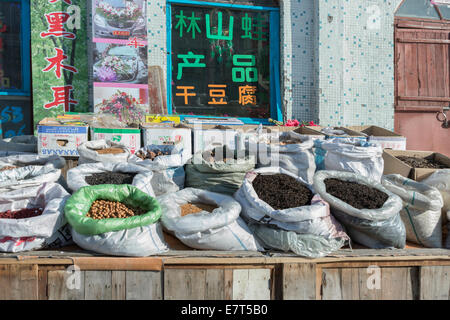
{"x": 440, "y": 179}
{"x": 118, "y": 220}
{"x": 369, "y": 212}
{"x": 26, "y": 170}
{"x": 27, "y": 143}
{"x": 350, "y": 155}
{"x": 167, "y": 163}
{"x": 206, "y": 220}
{"x": 219, "y": 170}
{"x": 161, "y": 157}
{"x": 421, "y": 211}
{"x": 285, "y": 214}
{"x": 33, "y": 218}
{"x": 91, "y": 174}
{"x": 102, "y": 151}
{"x": 288, "y": 150}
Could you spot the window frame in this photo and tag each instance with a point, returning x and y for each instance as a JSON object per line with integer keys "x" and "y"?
{"x": 25, "y": 36}
{"x": 274, "y": 26}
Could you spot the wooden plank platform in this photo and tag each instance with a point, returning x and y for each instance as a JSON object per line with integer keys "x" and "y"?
{"x": 361, "y": 274}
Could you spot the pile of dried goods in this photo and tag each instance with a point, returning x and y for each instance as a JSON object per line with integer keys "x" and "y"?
{"x": 357, "y": 195}
{"x": 193, "y": 208}
{"x": 151, "y": 154}
{"x": 110, "y": 151}
{"x": 21, "y": 214}
{"x": 423, "y": 163}
{"x": 8, "y": 168}
{"x": 104, "y": 209}
{"x": 281, "y": 191}
{"x": 110, "y": 178}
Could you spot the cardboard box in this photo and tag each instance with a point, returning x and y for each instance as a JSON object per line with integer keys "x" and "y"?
{"x": 208, "y": 135}
{"x": 393, "y": 165}
{"x": 349, "y": 133}
{"x": 60, "y": 139}
{"x": 130, "y": 137}
{"x": 386, "y": 138}
{"x": 168, "y": 134}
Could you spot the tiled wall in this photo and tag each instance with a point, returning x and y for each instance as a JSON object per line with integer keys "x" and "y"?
{"x": 337, "y": 59}
{"x": 356, "y": 59}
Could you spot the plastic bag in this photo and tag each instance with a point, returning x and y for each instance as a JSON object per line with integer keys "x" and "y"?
{"x": 33, "y": 233}
{"x": 177, "y": 157}
{"x": 373, "y": 228}
{"x": 306, "y": 245}
{"x": 88, "y": 153}
{"x": 29, "y": 176}
{"x": 26, "y": 159}
{"x": 76, "y": 176}
{"x": 440, "y": 179}
{"x": 27, "y": 143}
{"x": 421, "y": 211}
{"x": 137, "y": 242}
{"x": 168, "y": 181}
{"x": 297, "y": 158}
{"x": 312, "y": 219}
{"x": 219, "y": 230}
{"x": 350, "y": 155}
{"x": 218, "y": 176}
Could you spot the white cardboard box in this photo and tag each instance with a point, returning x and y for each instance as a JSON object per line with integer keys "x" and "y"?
{"x": 59, "y": 139}
{"x": 167, "y": 134}
{"x": 130, "y": 137}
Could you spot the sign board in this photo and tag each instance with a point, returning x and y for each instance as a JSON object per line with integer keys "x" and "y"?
{"x": 220, "y": 61}
{"x": 59, "y": 51}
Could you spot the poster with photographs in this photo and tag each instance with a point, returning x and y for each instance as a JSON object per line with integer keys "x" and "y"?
{"x": 119, "y": 59}
{"x": 119, "y": 19}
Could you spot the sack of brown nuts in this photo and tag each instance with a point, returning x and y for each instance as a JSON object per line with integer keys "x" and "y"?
{"x": 118, "y": 220}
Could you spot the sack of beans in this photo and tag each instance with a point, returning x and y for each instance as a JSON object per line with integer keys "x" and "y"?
{"x": 350, "y": 155}
{"x": 440, "y": 179}
{"x": 27, "y": 143}
{"x": 288, "y": 150}
{"x": 421, "y": 211}
{"x": 220, "y": 170}
{"x": 102, "y": 151}
{"x": 206, "y": 220}
{"x": 278, "y": 200}
{"x": 26, "y": 170}
{"x": 118, "y": 220}
{"x": 369, "y": 212}
{"x": 161, "y": 157}
{"x": 31, "y": 218}
{"x": 91, "y": 174}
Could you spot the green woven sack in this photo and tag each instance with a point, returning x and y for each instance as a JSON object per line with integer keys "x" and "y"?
{"x": 80, "y": 202}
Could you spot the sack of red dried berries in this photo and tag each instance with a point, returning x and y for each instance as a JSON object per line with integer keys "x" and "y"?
{"x": 30, "y": 218}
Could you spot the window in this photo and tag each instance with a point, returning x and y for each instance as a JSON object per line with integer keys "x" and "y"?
{"x": 14, "y": 48}
{"x": 224, "y": 60}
